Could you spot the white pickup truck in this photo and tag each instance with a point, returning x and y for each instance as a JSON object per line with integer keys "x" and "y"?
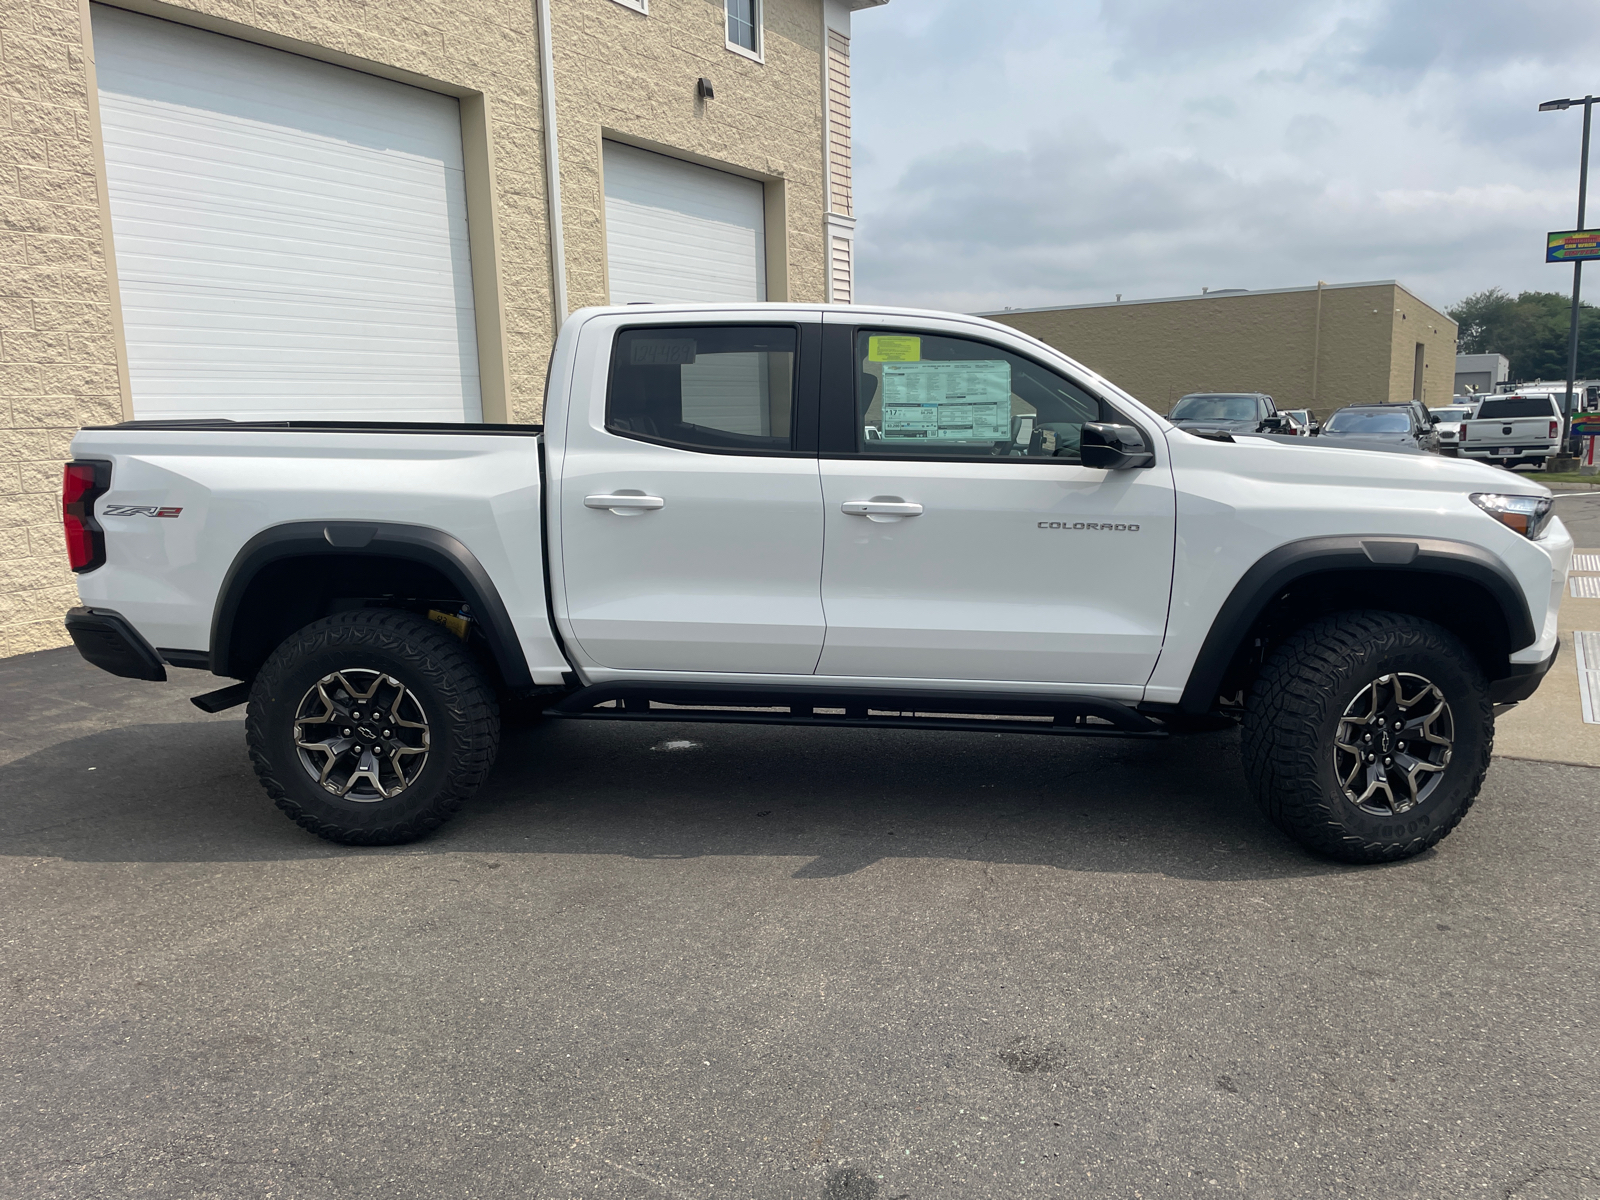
{"x": 1523, "y": 427}
{"x": 821, "y": 516}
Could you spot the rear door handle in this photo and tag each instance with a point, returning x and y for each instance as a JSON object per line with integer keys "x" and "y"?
{"x": 625, "y": 504}
{"x": 881, "y": 508}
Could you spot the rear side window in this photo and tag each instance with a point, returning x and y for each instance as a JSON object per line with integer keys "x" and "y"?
{"x": 921, "y": 395}
{"x": 725, "y": 388}
{"x": 1516, "y": 406}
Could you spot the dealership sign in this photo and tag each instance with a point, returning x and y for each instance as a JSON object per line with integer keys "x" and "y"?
{"x": 1572, "y": 245}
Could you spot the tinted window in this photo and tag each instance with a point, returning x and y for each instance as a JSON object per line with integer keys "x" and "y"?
{"x": 1517, "y": 406}
{"x": 922, "y": 395}
{"x": 1357, "y": 421}
{"x": 1215, "y": 408}
{"x": 705, "y": 387}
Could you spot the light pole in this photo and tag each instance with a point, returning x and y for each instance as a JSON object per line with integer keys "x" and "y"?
{"x": 1577, "y": 267}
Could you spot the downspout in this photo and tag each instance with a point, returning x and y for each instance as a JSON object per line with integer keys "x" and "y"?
{"x": 1316, "y": 347}
{"x": 552, "y": 165}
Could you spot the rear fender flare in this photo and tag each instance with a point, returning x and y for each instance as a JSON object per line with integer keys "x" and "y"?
{"x": 430, "y": 547}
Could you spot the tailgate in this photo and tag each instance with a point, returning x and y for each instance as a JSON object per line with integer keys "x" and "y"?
{"x": 1507, "y": 432}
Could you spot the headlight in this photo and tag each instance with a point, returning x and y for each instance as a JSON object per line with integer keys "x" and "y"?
{"x": 1528, "y": 515}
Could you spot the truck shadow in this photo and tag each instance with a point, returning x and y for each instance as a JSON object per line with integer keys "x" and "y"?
{"x": 833, "y": 800}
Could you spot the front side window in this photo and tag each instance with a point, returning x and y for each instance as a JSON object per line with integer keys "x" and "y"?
{"x": 727, "y": 388}
{"x": 922, "y": 395}
{"x": 1215, "y": 408}
{"x": 744, "y": 24}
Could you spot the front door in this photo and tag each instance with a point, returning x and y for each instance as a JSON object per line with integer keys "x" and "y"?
{"x": 964, "y": 539}
{"x": 691, "y": 511}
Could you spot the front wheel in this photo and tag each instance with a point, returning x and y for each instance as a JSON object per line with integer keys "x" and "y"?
{"x": 371, "y": 727}
{"x": 1367, "y": 735}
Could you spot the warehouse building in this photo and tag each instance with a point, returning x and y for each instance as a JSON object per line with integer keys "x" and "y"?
{"x": 346, "y": 210}
{"x": 1318, "y": 347}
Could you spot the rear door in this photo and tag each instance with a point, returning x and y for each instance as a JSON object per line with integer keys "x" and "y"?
{"x": 964, "y": 538}
{"x": 690, "y": 535}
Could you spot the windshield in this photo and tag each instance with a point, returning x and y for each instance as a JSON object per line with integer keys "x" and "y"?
{"x": 1452, "y": 414}
{"x": 1357, "y": 421}
{"x": 1214, "y": 408}
{"x": 1517, "y": 406}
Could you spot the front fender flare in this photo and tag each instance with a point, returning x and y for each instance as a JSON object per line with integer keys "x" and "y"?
{"x": 1311, "y": 556}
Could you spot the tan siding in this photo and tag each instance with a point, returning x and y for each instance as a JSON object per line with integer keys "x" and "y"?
{"x": 840, "y": 196}
{"x": 843, "y": 271}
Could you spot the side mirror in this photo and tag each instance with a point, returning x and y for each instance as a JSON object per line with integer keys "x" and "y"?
{"x": 1108, "y": 447}
{"x": 1274, "y": 424}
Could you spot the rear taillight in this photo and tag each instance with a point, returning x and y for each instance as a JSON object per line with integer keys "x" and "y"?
{"x": 81, "y": 484}
{"x": 1555, "y": 429}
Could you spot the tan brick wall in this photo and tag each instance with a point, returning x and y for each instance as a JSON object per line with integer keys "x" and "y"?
{"x": 58, "y": 363}
{"x": 616, "y": 70}
{"x": 1416, "y": 321}
{"x": 632, "y": 76}
{"x": 1254, "y": 342}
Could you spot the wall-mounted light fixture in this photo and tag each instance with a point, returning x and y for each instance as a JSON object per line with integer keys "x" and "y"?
{"x": 704, "y": 90}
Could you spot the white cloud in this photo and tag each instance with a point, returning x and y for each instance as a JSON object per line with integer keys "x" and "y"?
{"x": 1045, "y": 151}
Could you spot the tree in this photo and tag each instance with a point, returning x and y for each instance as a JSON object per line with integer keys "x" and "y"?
{"x": 1531, "y": 331}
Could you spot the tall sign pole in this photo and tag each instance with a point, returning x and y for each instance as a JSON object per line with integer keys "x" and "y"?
{"x": 1577, "y": 248}
{"x": 1577, "y": 267}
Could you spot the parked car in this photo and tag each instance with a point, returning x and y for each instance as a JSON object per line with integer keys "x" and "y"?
{"x": 1447, "y": 424}
{"x": 1228, "y": 412}
{"x": 1305, "y": 425}
{"x": 1382, "y": 424}
{"x": 1516, "y": 429}
{"x": 703, "y": 530}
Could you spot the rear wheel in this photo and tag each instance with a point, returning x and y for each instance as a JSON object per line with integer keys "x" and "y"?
{"x": 1367, "y": 735}
{"x": 371, "y": 727}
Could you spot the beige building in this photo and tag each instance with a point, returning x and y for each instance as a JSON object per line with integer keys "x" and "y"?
{"x": 343, "y": 209}
{"x": 1316, "y": 347}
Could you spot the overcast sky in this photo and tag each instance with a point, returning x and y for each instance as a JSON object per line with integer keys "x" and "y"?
{"x": 1029, "y": 152}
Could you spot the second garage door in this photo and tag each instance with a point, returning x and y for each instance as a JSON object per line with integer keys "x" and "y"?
{"x": 676, "y": 231}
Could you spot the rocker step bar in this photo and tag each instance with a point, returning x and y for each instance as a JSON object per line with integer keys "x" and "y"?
{"x": 988, "y": 713}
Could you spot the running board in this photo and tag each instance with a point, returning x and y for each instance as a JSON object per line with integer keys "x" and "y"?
{"x": 856, "y": 708}
{"x": 223, "y": 698}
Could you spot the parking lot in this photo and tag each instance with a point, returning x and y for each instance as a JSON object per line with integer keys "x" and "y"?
{"x": 773, "y": 963}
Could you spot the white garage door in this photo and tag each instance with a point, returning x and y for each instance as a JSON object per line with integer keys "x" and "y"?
{"x": 291, "y": 237}
{"x": 677, "y": 231}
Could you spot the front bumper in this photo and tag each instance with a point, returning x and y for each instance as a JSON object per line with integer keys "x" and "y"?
{"x": 1523, "y": 681}
{"x": 106, "y": 640}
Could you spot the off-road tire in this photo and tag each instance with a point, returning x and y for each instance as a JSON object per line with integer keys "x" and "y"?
{"x": 1293, "y": 713}
{"x": 459, "y": 705}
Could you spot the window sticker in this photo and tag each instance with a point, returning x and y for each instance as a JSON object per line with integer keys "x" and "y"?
{"x": 894, "y": 349}
{"x": 947, "y": 401}
{"x": 661, "y": 352}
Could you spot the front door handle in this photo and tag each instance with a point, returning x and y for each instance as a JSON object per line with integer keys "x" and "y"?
{"x": 625, "y": 504}
{"x": 880, "y": 507}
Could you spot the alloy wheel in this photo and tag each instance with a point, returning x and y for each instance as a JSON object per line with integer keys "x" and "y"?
{"x": 362, "y": 735}
{"x": 1393, "y": 744}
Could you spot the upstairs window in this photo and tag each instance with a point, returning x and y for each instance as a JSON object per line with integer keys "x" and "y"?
{"x": 744, "y": 26}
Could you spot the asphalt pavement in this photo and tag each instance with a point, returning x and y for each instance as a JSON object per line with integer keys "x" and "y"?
{"x": 1580, "y": 512}
{"x": 819, "y": 964}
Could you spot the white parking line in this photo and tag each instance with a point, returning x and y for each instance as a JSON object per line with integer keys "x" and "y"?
{"x": 1585, "y": 587}
{"x": 1586, "y": 562}
{"x": 1587, "y": 646}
